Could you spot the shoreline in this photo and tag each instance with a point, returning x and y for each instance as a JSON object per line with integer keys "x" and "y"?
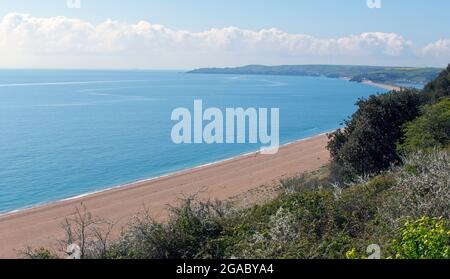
{"x": 148, "y": 180}
{"x": 385, "y": 86}
{"x": 382, "y": 85}
{"x": 223, "y": 180}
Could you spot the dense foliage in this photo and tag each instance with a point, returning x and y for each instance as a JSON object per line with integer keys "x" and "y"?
{"x": 440, "y": 87}
{"x": 367, "y": 145}
{"x": 369, "y": 142}
{"x": 430, "y": 130}
{"x": 425, "y": 238}
{"x": 399, "y": 75}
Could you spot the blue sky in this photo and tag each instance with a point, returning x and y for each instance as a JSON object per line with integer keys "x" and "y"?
{"x": 421, "y": 22}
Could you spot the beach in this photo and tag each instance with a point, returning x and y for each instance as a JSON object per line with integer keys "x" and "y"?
{"x": 382, "y": 85}
{"x": 41, "y": 226}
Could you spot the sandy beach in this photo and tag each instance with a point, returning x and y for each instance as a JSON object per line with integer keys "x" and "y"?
{"x": 382, "y": 85}
{"x": 41, "y": 226}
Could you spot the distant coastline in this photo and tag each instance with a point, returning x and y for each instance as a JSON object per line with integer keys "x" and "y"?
{"x": 389, "y": 78}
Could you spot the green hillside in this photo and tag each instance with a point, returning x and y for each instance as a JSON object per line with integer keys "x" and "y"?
{"x": 389, "y": 75}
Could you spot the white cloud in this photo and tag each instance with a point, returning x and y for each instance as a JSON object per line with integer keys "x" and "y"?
{"x": 27, "y": 41}
{"x": 439, "y": 48}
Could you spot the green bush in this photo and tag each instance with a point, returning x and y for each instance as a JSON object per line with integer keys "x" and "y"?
{"x": 191, "y": 232}
{"x": 367, "y": 145}
{"x": 438, "y": 88}
{"x": 429, "y": 131}
{"x": 39, "y": 254}
{"x": 425, "y": 238}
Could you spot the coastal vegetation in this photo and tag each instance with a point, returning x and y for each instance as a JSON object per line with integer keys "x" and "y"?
{"x": 387, "y": 187}
{"x": 387, "y": 75}
{"x": 367, "y": 145}
{"x": 430, "y": 130}
{"x": 388, "y": 125}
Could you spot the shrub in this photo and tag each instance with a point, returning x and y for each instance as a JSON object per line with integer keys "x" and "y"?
{"x": 422, "y": 188}
{"x": 306, "y": 181}
{"x": 430, "y": 130}
{"x": 357, "y": 206}
{"x": 367, "y": 145}
{"x": 274, "y": 241}
{"x": 425, "y": 238}
{"x": 438, "y": 88}
{"x": 91, "y": 234}
{"x": 190, "y": 233}
{"x": 39, "y": 254}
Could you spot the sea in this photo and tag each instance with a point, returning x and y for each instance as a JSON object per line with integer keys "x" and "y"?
{"x": 68, "y": 133}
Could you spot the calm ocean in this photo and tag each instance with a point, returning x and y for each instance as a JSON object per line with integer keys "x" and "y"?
{"x": 66, "y": 133}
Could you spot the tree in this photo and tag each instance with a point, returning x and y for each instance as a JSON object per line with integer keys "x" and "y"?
{"x": 439, "y": 88}
{"x": 367, "y": 145}
{"x": 431, "y": 130}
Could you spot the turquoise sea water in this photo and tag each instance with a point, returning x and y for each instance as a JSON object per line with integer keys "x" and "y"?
{"x": 67, "y": 133}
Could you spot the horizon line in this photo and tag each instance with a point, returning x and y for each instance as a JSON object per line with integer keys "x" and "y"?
{"x": 212, "y": 67}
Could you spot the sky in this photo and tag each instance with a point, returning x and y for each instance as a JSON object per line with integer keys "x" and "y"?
{"x": 185, "y": 34}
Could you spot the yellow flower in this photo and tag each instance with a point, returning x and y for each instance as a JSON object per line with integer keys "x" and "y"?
{"x": 351, "y": 255}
